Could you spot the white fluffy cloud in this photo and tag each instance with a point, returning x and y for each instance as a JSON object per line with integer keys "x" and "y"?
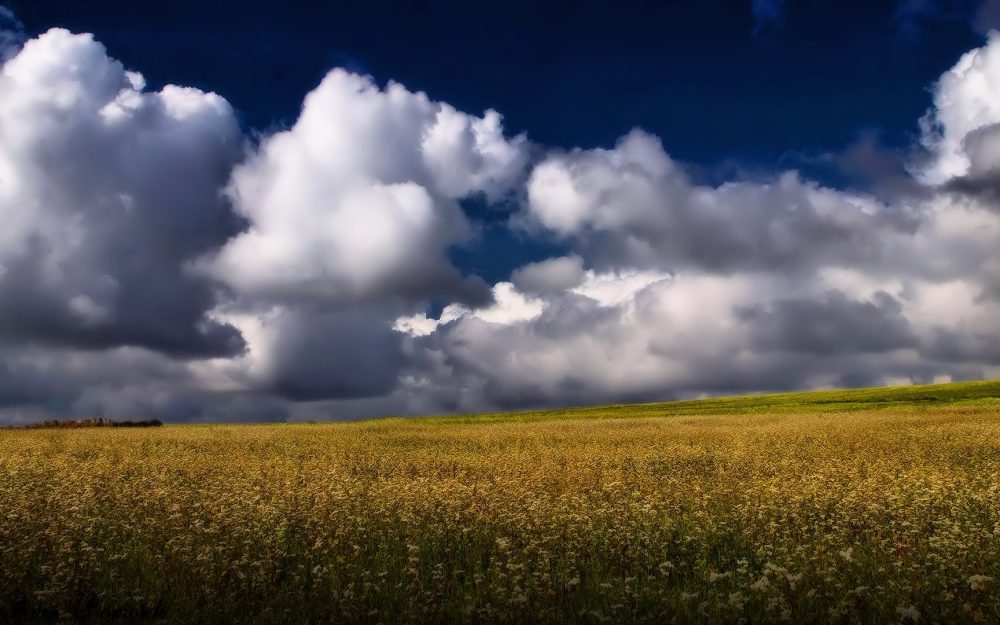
{"x": 107, "y": 191}
{"x": 965, "y": 103}
{"x": 351, "y": 213}
{"x": 357, "y": 200}
{"x": 692, "y": 333}
{"x": 676, "y": 289}
{"x": 152, "y": 265}
{"x": 634, "y": 206}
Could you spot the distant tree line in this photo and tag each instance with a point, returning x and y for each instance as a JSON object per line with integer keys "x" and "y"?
{"x": 93, "y": 422}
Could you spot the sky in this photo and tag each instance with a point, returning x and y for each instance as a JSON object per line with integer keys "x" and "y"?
{"x": 281, "y": 211}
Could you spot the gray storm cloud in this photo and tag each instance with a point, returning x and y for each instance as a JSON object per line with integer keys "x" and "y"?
{"x": 106, "y": 192}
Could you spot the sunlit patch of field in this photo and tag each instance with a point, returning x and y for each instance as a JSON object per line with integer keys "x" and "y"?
{"x": 854, "y": 506}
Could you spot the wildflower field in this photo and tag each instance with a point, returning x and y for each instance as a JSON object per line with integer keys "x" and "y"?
{"x": 872, "y": 506}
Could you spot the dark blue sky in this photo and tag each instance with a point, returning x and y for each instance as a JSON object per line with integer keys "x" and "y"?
{"x": 719, "y": 88}
{"x": 568, "y": 73}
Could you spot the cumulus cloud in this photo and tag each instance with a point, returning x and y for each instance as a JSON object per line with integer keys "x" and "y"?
{"x": 106, "y": 192}
{"x": 351, "y": 213}
{"x": 673, "y": 289}
{"x": 307, "y": 353}
{"x": 634, "y": 206}
{"x": 136, "y": 219}
{"x": 154, "y": 264}
{"x": 357, "y": 200}
{"x": 671, "y": 337}
{"x": 965, "y": 103}
{"x": 831, "y": 323}
{"x": 693, "y": 333}
{"x": 553, "y": 274}
{"x": 39, "y": 382}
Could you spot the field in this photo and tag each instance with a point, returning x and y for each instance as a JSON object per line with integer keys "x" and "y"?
{"x": 873, "y": 506}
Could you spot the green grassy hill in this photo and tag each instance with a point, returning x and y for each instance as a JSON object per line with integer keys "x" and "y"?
{"x": 980, "y": 391}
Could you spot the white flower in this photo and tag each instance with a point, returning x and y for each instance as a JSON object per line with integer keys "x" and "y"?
{"x": 909, "y": 613}
{"x": 978, "y": 582}
{"x": 847, "y": 554}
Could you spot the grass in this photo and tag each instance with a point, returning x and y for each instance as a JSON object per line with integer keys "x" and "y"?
{"x": 956, "y": 393}
{"x": 871, "y": 506}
